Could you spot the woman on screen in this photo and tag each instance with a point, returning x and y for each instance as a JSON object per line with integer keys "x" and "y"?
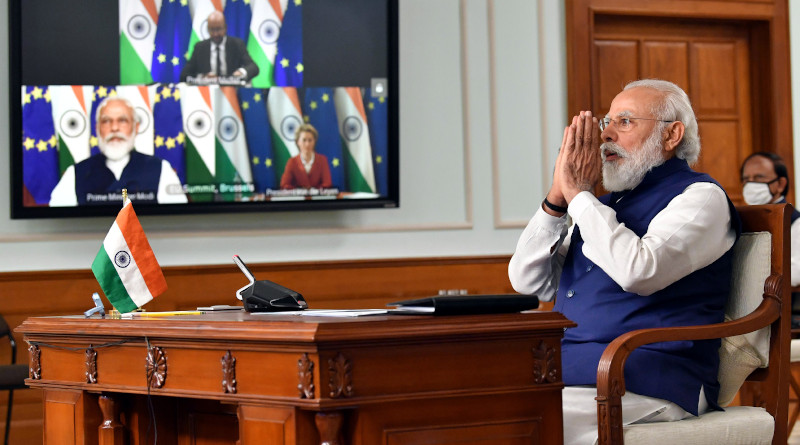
{"x": 308, "y": 169}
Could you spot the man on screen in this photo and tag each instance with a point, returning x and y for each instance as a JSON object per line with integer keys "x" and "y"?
{"x": 220, "y": 55}
{"x": 101, "y": 178}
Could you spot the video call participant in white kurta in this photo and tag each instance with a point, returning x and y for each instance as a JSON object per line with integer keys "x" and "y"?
{"x": 100, "y": 178}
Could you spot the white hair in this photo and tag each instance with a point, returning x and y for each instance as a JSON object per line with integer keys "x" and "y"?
{"x": 110, "y": 99}
{"x": 675, "y": 106}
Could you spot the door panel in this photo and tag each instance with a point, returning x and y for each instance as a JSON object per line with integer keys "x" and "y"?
{"x": 709, "y": 60}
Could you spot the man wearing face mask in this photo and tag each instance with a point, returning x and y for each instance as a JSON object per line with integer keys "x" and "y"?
{"x": 766, "y": 181}
{"x": 100, "y": 179}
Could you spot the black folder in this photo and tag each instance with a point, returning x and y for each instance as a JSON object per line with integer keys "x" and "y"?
{"x": 466, "y": 304}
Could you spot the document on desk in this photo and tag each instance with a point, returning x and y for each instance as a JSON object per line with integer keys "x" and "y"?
{"x": 328, "y": 312}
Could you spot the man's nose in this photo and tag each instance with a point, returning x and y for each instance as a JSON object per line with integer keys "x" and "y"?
{"x": 608, "y": 134}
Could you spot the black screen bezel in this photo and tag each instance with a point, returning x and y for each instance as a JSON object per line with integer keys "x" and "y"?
{"x": 20, "y": 211}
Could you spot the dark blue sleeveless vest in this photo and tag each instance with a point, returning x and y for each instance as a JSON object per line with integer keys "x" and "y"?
{"x": 586, "y": 295}
{"x": 140, "y": 177}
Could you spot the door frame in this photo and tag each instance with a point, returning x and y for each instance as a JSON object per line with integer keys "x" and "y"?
{"x": 770, "y": 83}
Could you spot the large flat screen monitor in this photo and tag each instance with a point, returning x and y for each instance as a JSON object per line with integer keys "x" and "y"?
{"x": 197, "y": 106}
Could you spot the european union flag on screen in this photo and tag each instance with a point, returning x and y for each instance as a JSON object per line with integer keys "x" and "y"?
{"x": 378, "y": 122}
{"x": 237, "y": 16}
{"x": 98, "y": 95}
{"x": 40, "y": 172}
{"x": 320, "y": 112}
{"x": 172, "y": 41}
{"x": 289, "y": 59}
{"x": 170, "y": 142}
{"x": 253, "y": 103}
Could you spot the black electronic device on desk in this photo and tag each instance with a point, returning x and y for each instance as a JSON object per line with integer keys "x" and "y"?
{"x": 466, "y": 304}
{"x": 266, "y": 296}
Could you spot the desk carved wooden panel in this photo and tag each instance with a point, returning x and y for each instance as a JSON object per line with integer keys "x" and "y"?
{"x": 388, "y": 379}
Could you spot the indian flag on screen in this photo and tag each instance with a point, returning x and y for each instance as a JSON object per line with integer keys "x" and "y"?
{"x": 125, "y": 266}
{"x": 233, "y": 160}
{"x": 355, "y": 137}
{"x": 137, "y": 35}
{"x": 198, "y": 126}
{"x": 72, "y": 122}
{"x": 283, "y": 108}
{"x": 265, "y": 27}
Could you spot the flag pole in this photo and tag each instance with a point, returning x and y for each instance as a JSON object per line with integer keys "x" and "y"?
{"x": 124, "y": 196}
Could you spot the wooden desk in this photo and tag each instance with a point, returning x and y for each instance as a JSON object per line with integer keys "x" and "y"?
{"x": 219, "y": 378}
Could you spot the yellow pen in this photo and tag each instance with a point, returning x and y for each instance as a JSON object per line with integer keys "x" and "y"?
{"x": 160, "y": 314}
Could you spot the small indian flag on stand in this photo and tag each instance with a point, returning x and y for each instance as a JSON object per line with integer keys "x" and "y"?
{"x": 125, "y": 266}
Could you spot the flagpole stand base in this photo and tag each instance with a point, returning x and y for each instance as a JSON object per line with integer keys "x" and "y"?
{"x": 98, "y": 307}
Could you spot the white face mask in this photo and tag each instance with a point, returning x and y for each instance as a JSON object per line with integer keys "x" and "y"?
{"x": 756, "y": 193}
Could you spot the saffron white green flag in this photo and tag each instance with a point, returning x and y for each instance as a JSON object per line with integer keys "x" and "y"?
{"x": 137, "y": 34}
{"x": 233, "y": 161}
{"x": 200, "y": 10}
{"x": 355, "y": 137}
{"x": 140, "y": 97}
{"x": 265, "y": 27}
{"x": 198, "y": 126}
{"x": 125, "y": 266}
{"x": 283, "y": 108}
{"x": 71, "y": 119}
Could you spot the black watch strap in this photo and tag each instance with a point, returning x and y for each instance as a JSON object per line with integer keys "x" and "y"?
{"x": 554, "y": 207}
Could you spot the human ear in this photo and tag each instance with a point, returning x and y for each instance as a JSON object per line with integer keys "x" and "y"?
{"x": 673, "y": 135}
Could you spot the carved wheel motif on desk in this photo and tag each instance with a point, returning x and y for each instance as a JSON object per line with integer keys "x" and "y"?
{"x": 156, "y": 367}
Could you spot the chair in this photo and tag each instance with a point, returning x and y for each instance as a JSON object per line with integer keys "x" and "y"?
{"x": 794, "y": 370}
{"x": 12, "y": 376}
{"x": 794, "y": 395}
{"x": 755, "y": 347}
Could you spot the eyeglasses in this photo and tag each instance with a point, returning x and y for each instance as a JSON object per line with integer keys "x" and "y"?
{"x": 624, "y": 123}
{"x": 758, "y": 179}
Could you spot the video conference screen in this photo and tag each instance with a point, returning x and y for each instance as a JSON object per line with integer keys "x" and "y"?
{"x": 197, "y": 106}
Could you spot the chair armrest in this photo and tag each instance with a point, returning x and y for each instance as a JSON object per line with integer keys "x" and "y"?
{"x": 610, "y": 371}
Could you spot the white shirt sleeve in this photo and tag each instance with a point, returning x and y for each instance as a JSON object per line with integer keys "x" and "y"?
{"x": 170, "y": 190}
{"x": 794, "y": 232}
{"x": 693, "y": 231}
{"x": 63, "y": 195}
{"x": 535, "y": 267}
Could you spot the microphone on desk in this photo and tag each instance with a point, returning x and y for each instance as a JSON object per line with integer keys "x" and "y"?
{"x": 266, "y": 296}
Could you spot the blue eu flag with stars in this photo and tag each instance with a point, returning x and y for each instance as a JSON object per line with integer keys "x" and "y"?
{"x": 253, "y": 103}
{"x": 40, "y": 172}
{"x": 172, "y": 41}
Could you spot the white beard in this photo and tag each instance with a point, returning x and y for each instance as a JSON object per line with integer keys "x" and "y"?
{"x": 116, "y": 149}
{"x": 630, "y": 167}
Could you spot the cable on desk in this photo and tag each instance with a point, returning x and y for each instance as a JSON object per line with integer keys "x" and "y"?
{"x": 68, "y": 348}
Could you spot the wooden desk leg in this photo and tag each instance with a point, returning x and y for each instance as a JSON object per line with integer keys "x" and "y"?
{"x": 329, "y": 426}
{"x": 110, "y": 432}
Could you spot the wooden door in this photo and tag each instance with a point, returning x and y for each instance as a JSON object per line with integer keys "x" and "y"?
{"x": 732, "y": 63}
{"x": 709, "y": 61}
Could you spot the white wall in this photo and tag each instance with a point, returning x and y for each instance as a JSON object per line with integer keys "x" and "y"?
{"x": 482, "y": 87}
{"x": 794, "y": 54}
